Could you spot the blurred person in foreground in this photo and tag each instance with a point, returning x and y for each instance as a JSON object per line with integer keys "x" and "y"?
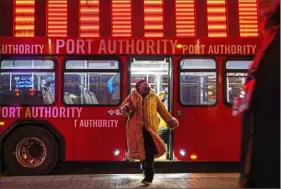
{"x": 259, "y": 103}
{"x": 143, "y": 142}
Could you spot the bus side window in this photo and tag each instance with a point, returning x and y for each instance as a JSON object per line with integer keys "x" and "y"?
{"x": 91, "y": 85}
{"x": 235, "y": 77}
{"x": 198, "y": 82}
{"x": 20, "y": 85}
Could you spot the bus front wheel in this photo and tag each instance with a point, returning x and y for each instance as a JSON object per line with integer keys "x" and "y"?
{"x": 30, "y": 150}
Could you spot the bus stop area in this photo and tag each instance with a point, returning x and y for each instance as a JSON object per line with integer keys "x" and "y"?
{"x": 186, "y": 180}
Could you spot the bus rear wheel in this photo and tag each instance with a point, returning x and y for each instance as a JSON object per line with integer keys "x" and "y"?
{"x": 30, "y": 150}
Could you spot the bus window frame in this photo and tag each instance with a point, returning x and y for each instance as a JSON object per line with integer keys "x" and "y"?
{"x": 27, "y": 57}
{"x": 225, "y": 71}
{"x": 119, "y": 70}
{"x": 161, "y": 81}
{"x": 180, "y": 70}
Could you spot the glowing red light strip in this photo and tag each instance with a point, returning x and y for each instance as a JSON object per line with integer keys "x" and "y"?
{"x": 24, "y": 18}
{"x": 248, "y": 18}
{"x": 121, "y": 18}
{"x": 89, "y": 18}
{"x": 185, "y": 19}
{"x": 153, "y": 18}
{"x": 57, "y": 18}
{"x": 216, "y": 14}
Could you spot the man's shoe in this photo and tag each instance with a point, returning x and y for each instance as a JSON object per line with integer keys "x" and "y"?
{"x": 146, "y": 182}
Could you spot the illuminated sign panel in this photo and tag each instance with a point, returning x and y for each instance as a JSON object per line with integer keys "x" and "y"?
{"x": 216, "y": 14}
{"x": 185, "y": 18}
{"x": 121, "y": 18}
{"x": 89, "y": 18}
{"x": 57, "y": 18}
{"x": 153, "y": 18}
{"x": 24, "y": 18}
{"x": 248, "y": 18}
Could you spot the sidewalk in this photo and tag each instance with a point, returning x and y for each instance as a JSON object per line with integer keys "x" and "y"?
{"x": 228, "y": 180}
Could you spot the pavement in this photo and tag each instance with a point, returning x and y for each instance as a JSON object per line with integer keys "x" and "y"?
{"x": 186, "y": 180}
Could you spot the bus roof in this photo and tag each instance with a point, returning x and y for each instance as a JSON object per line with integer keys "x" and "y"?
{"x": 128, "y": 46}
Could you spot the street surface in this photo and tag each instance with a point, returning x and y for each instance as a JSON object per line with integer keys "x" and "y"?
{"x": 188, "y": 180}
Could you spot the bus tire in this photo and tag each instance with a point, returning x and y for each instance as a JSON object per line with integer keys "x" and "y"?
{"x": 30, "y": 150}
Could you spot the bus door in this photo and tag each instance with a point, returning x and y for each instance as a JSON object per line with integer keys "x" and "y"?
{"x": 158, "y": 74}
{"x": 194, "y": 107}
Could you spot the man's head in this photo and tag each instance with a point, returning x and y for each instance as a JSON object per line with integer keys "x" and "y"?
{"x": 143, "y": 87}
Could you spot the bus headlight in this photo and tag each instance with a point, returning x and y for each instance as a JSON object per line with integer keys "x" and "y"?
{"x": 182, "y": 152}
{"x": 116, "y": 152}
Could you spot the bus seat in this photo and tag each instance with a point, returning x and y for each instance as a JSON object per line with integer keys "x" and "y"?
{"x": 67, "y": 98}
{"x": 93, "y": 98}
{"x": 71, "y": 84}
{"x": 34, "y": 100}
{"x": 47, "y": 95}
{"x": 10, "y": 98}
{"x": 190, "y": 89}
{"x": 82, "y": 94}
{"x": 87, "y": 96}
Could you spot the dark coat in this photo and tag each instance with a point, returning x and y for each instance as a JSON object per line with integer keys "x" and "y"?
{"x": 261, "y": 160}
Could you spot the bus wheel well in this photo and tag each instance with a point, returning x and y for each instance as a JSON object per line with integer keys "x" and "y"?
{"x": 43, "y": 124}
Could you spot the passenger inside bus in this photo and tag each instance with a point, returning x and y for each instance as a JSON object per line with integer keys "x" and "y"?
{"x": 113, "y": 85}
{"x": 48, "y": 96}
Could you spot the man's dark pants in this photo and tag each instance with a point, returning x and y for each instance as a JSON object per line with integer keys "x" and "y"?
{"x": 147, "y": 165}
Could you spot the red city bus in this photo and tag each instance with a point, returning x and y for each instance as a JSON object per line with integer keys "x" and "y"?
{"x": 60, "y": 95}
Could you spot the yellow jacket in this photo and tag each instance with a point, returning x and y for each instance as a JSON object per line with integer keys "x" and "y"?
{"x": 162, "y": 123}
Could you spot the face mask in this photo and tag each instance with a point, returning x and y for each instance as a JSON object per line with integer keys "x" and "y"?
{"x": 145, "y": 90}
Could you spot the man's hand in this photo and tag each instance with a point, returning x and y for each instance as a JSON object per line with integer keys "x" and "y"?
{"x": 173, "y": 123}
{"x": 130, "y": 106}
